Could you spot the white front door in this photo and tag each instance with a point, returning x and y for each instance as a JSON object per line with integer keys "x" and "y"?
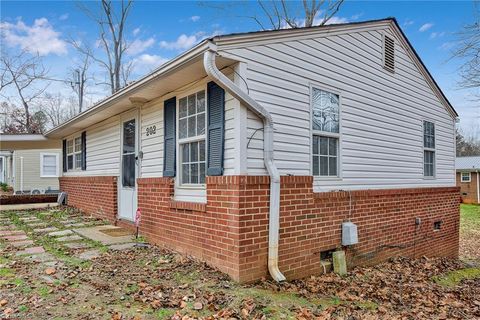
{"x": 127, "y": 204}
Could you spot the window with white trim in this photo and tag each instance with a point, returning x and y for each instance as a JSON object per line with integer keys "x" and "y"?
{"x": 466, "y": 177}
{"x": 74, "y": 153}
{"x": 191, "y": 138}
{"x": 326, "y": 133}
{"x": 48, "y": 165}
{"x": 428, "y": 149}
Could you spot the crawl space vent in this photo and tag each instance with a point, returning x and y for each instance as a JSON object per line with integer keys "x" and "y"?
{"x": 389, "y": 53}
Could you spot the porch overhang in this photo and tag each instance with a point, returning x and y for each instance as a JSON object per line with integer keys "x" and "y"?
{"x": 171, "y": 76}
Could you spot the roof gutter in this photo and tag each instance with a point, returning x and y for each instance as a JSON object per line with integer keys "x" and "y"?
{"x": 274, "y": 214}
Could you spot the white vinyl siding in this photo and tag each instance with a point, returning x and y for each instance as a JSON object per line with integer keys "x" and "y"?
{"x": 32, "y": 170}
{"x": 152, "y": 144}
{"x": 103, "y": 149}
{"x": 381, "y": 112}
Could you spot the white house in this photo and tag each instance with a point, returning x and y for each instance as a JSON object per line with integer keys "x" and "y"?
{"x": 249, "y": 151}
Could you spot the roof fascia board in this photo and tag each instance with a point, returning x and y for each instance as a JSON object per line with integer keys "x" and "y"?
{"x": 255, "y": 38}
{"x": 166, "y": 68}
{"x": 22, "y": 137}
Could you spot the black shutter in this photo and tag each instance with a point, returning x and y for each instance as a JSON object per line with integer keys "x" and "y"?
{"x": 64, "y": 155}
{"x": 84, "y": 150}
{"x": 169, "y": 147}
{"x": 215, "y": 129}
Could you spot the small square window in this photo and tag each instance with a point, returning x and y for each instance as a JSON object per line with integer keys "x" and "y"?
{"x": 49, "y": 165}
{"x": 437, "y": 225}
{"x": 466, "y": 177}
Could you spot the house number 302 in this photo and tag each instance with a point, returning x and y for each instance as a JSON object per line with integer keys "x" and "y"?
{"x": 151, "y": 130}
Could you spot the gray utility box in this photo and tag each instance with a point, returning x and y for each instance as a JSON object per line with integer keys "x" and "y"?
{"x": 349, "y": 234}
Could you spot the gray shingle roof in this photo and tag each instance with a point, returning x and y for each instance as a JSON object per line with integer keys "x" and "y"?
{"x": 462, "y": 163}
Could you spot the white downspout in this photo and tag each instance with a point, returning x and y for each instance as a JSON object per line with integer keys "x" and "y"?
{"x": 478, "y": 186}
{"x": 274, "y": 214}
{"x": 21, "y": 174}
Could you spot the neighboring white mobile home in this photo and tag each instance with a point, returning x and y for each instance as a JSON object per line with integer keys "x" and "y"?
{"x": 30, "y": 163}
{"x": 250, "y": 150}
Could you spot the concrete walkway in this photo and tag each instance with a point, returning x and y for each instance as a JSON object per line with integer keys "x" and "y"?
{"x": 81, "y": 236}
{"x": 27, "y": 206}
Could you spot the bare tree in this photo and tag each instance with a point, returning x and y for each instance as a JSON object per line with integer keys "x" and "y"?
{"x": 468, "y": 49}
{"x": 54, "y": 109}
{"x": 26, "y": 74}
{"x": 78, "y": 77}
{"x": 111, "y": 18}
{"x": 280, "y": 14}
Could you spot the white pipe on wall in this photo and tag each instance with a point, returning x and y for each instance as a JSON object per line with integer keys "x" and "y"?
{"x": 274, "y": 213}
{"x": 478, "y": 186}
{"x": 21, "y": 174}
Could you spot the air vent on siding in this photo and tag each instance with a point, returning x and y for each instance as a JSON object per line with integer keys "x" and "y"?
{"x": 389, "y": 53}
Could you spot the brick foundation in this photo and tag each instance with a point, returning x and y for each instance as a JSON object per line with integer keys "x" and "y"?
{"x": 230, "y": 231}
{"x": 468, "y": 190}
{"x": 93, "y": 195}
{"x": 311, "y": 223}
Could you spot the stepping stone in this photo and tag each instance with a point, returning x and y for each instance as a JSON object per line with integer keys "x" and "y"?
{"x": 9, "y": 227}
{"x": 90, "y": 254}
{"x": 31, "y": 250}
{"x": 122, "y": 246}
{"x": 45, "y": 230}
{"x": 11, "y": 232}
{"x": 20, "y": 244}
{"x": 37, "y": 225}
{"x": 69, "y": 238}
{"x": 76, "y": 245}
{"x": 42, "y": 257}
{"x": 26, "y": 219}
{"x": 60, "y": 233}
{"x": 15, "y": 238}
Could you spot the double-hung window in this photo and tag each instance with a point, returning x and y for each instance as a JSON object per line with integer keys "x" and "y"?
{"x": 326, "y": 133}
{"x": 74, "y": 153}
{"x": 191, "y": 138}
{"x": 48, "y": 165}
{"x": 428, "y": 149}
{"x": 466, "y": 177}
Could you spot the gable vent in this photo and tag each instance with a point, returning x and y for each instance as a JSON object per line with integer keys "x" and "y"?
{"x": 389, "y": 53}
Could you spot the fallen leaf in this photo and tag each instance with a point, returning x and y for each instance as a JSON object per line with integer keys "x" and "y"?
{"x": 50, "y": 271}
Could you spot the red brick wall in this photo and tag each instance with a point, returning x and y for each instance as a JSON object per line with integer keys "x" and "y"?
{"x": 209, "y": 232}
{"x": 468, "y": 190}
{"x": 94, "y": 195}
{"x": 311, "y": 223}
{"x": 231, "y": 230}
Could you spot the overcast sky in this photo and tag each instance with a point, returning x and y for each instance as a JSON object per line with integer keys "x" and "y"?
{"x": 161, "y": 30}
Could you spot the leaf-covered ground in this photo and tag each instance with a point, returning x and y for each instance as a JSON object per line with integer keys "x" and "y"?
{"x": 152, "y": 283}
